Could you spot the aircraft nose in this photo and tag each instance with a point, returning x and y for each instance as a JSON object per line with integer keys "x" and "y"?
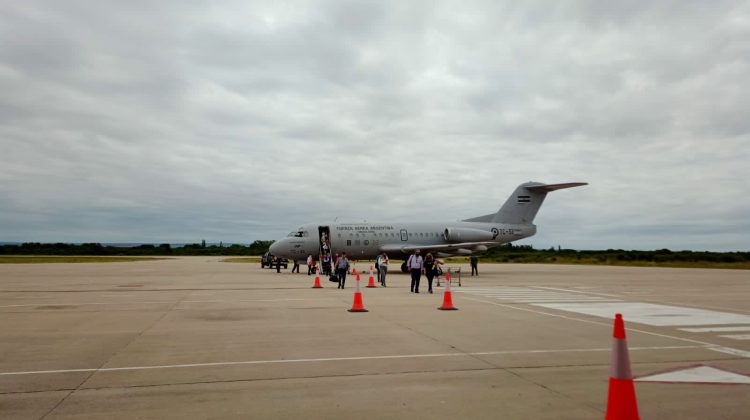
{"x": 274, "y": 248}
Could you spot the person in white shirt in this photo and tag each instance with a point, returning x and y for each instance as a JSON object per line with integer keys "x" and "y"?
{"x": 415, "y": 264}
{"x": 383, "y": 269}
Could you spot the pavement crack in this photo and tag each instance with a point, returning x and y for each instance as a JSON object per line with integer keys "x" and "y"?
{"x": 132, "y": 340}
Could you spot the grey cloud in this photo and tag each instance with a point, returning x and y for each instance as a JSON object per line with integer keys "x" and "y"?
{"x": 239, "y": 121}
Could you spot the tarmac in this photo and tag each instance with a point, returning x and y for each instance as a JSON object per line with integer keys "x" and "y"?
{"x": 198, "y": 338}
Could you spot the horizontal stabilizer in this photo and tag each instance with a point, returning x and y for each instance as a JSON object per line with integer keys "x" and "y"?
{"x": 554, "y": 187}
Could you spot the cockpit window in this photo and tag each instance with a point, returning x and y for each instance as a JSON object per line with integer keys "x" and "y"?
{"x": 298, "y": 234}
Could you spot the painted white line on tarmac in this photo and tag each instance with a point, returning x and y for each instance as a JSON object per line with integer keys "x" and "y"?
{"x": 609, "y": 324}
{"x": 87, "y": 303}
{"x": 729, "y": 350}
{"x": 338, "y": 359}
{"x": 561, "y": 300}
{"x": 574, "y": 291}
{"x": 716, "y": 329}
{"x": 144, "y": 302}
{"x": 698, "y": 374}
{"x": 737, "y": 336}
{"x": 709, "y": 346}
{"x": 652, "y": 314}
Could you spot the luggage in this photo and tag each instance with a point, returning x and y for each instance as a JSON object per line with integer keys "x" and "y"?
{"x": 333, "y": 279}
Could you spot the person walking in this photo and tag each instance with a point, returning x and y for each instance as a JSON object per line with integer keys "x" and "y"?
{"x": 327, "y": 264}
{"x": 415, "y": 263}
{"x": 309, "y": 264}
{"x": 278, "y": 263}
{"x": 474, "y": 260}
{"x": 383, "y": 269}
{"x": 429, "y": 270}
{"x": 295, "y": 267}
{"x": 342, "y": 266}
{"x": 377, "y": 267}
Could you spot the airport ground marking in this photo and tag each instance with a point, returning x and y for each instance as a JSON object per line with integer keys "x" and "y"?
{"x": 716, "y": 329}
{"x": 652, "y": 313}
{"x": 149, "y": 302}
{"x": 737, "y": 336}
{"x": 575, "y": 291}
{"x": 707, "y": 307}
{"x": 700, "y": 374}
{"x": 339, "y": 359}
{"x": 729, "y": 350}
{"x": 588, "y": 321}
{"x": 706, "y": 345}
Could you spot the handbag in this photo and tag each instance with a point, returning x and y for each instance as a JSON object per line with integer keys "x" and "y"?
{"x": 333, "y": 279}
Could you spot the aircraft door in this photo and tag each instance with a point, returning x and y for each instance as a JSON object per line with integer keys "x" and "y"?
{"x": 404, "y": 235}
{"x": 324, "y": 239}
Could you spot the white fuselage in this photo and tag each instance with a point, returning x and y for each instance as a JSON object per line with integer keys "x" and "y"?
{"x": 368, "y": 239}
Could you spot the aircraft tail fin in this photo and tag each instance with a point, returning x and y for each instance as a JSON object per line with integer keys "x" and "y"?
{"x": 523, "y": 205}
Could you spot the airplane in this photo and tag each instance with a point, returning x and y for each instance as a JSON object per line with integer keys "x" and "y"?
{"x": 366, "y": 240}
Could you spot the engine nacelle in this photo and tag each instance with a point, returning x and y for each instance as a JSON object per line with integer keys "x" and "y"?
{"x": 457, "y": 235}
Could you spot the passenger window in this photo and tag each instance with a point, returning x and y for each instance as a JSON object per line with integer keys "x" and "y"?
{"x": 367, "y": 242}
{"x": 348, "y": 242}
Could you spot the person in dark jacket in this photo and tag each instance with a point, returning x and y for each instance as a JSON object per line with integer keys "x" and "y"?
{"x": 429, "y": 270}
{"x": 295, "y": 267}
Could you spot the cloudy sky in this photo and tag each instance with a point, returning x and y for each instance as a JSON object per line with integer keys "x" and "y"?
{"x": 232, "y": 121}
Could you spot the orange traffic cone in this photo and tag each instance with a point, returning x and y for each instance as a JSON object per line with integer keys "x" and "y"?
{"x": 447, "y": 300}
{"x": 358, "y": 306}
{"x": 371, "y": 281}
{"x": 317, "y": 281}
{"x": 621, "y": 403}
